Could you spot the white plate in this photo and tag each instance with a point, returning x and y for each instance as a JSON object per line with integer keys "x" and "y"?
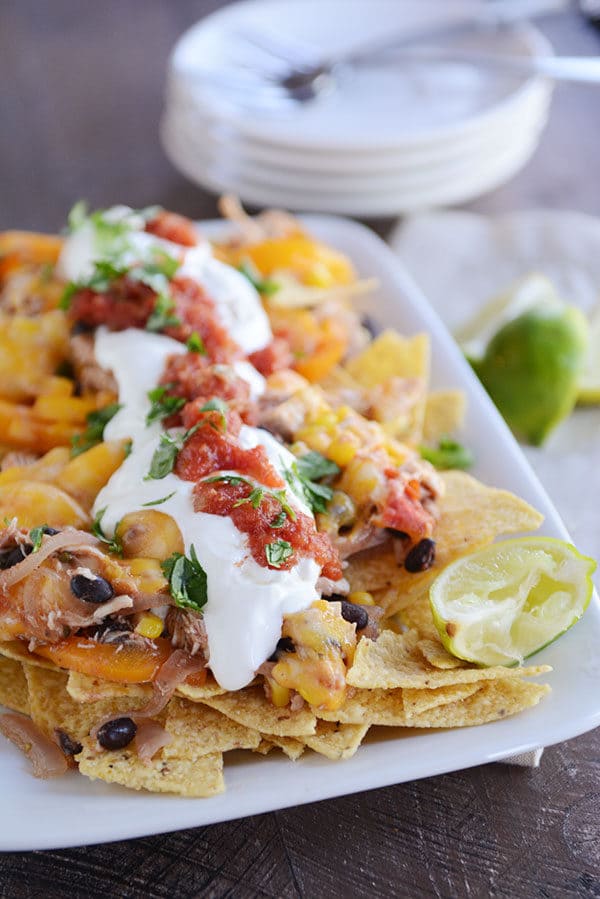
{"x": 330, "y": 172}
{"x": 436, "y": 189}
{"x": 374, "y": 107}
{"x": 73, "y": 811}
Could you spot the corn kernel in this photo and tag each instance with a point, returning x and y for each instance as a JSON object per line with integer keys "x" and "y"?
{"x": 280, "y": 696}
{"x": 342, "y": 450}
{"x": 150, "y": 626}
{"x": 361, "y": 597}
{"x": 315, "y": 437}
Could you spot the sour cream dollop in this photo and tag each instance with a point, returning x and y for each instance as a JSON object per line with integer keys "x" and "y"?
{"x": 237, "y": 303}
{"x": 246, "y": 601}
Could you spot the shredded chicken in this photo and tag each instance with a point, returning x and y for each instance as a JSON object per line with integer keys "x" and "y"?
{"x": 90, "y": 376}
{"x": 270, "y": 223}
{"x": 326, "y": 587}
{"x": 187, "y": 631}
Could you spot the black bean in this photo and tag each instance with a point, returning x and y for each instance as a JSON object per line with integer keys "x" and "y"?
{"x": 95, "y": 589}
{"x": 49, "y": 531}
{"x": 14, "y": 556}
{"x": 421, "y": 556}
{"x": 81, "y": 328}
{"x": 284, "y": 644}
{"x": 117, "y": 734}
{"x": 67, "y": 744}
{"x": 355, "y": 614}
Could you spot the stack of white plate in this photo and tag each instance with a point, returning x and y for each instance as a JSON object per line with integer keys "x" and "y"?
{"x": 390, "y": 138}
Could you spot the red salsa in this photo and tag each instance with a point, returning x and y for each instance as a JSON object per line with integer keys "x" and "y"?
{"x": 267, "y": 524}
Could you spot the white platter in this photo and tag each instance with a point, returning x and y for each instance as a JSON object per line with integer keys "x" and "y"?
{"x": 74, "y": 811}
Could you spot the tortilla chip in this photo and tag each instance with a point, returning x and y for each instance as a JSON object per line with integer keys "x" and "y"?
{"x": 444, "y": 414}
{"x": 471, "y": 516}
{"x": 400, "y": 367}
{"x": 13, "y": 686}
{"x": 335, "y": 740}
{"x": 199, "y": 778}
{"x": 434, "y": 653}
{"x": 251, "y": 708}
{"x": 197, "y": 694}
{"x": 197, "y": 730}
{"x": 392, "y": 661}
{"x": 288, "y": 745}
{"x": 52, "y": 708}
{"x": 422, "y": 700}
{"x": 369, "y": 707}
{"x": 83, "y": 688}
{"x": 494, "y": 700}
{"x": 391, "y": 355}
{"x": 418, "y": 616}
{"x": 17, "y": 650}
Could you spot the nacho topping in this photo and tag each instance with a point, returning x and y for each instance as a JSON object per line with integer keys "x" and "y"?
{"x": 197, "y": 559}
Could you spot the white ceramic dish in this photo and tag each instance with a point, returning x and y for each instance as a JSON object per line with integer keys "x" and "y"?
{"x": 404, "y": 172}
{"x": 438, "y": 188}
{"x": 374, "y": 109}
{"x": 74, "y": 811}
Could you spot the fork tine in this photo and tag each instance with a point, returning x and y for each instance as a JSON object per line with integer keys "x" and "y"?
{"x": 293, "y": 52}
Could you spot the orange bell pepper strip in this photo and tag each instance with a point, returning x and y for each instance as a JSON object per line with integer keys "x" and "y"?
{"x": 119, "y": 662}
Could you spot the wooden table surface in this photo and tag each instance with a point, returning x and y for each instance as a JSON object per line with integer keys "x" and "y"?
{"x": 80, "y": 98}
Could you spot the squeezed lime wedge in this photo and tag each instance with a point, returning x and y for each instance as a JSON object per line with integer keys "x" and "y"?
{"x": 502, "y": 604}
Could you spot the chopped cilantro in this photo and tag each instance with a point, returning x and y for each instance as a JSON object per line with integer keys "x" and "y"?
{"x": 187, "y": 580}
{"x": 303, "y": 475}
{"x": 114, "y": 543}
{"x": 266, "y": 286}
{"x": 158, "y": 502}
{"x": 93, "y": 434}
{"x": 313, "y": 466}
{"x": 195, "y": 344}
{"x": 216, "y": 404}
{"x": 163, "y": 404}
{"x": 256, "y": 496}
{"x": 279, "y": 521}
{"x": 278, "y": 552}
{"x": 165, "y": 455}
{"x": 67, "y": 296}
{"x": 162, "y": 316}
{"x": 36, "y": 535}
{"x": 448, "y": 454}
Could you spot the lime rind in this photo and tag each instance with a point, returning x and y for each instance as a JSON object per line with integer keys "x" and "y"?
{"x": 510, "y": 600}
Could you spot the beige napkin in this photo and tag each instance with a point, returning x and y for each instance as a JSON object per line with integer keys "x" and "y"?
{"x": 461, "y": 260}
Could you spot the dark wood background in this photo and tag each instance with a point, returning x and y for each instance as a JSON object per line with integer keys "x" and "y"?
{"x": 80, "y": 97}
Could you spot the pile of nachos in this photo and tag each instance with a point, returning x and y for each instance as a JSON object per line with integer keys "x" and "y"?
{"x": 224, "y": 496}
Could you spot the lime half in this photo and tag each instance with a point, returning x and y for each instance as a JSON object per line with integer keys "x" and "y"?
{"x": 509, "y": 600}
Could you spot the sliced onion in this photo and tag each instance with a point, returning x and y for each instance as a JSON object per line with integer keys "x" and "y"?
{"x": 45, "y": 756}
{"x": 171, "y": 674}
{"x": 67, "y": 539}
{"x": 150, "y": 738}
